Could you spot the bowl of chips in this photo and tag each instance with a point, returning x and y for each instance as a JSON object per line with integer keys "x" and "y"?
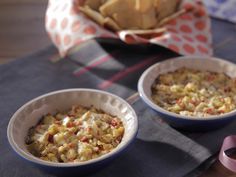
{"x": 141, "y": 16}
{"x": 130, "y": 14}
{"x": 180, "y": 25}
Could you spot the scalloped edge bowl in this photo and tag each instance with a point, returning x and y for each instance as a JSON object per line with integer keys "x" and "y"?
{"x": 193, "y": 62}
{"x": 30, "y": 113}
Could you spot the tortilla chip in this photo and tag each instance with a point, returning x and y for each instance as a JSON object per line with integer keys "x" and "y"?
{"x": 131, "y": 14}
{"x": 127, "y": 16}
{"x": 94, "y": 15}
{"x": 111, "y": 24}
{"x": 164, "y": 8}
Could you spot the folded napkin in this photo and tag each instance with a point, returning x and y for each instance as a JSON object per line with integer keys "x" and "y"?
{"x": 223, "y": 9}
{"x": 188, "y": 34}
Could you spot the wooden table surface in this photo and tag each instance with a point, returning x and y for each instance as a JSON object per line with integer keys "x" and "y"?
{"x": 22, "y": 33}
{"x": 22, "y": 28}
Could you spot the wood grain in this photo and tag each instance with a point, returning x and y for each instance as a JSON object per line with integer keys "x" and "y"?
{"x": 21, "y": 28}
{"x": 22, "y": 32}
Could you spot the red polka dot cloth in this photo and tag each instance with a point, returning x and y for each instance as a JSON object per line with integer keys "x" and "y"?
{"x": 188, "y": 34}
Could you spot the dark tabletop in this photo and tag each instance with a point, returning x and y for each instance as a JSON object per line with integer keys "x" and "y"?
{"x": 23, "y": 80}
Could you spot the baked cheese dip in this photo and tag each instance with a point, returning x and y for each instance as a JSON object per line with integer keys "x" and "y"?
{"x": 78, "y": 135}
{"x": 191, "y": 92}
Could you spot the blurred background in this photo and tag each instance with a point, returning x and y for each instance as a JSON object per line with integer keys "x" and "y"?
{"x": 22, "y": 28}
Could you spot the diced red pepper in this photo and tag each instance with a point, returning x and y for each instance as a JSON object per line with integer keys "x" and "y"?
{"x": 71, "y": 115}
{"x": 209, "y": 110}
{"x": 193, "y": 102}
{"x": 100, "y": 147}
{"x": 84, "y": 139}
{"x": 71, "y": 145}
{"x": 70, "y": 124}
{"x": 179, "y": 101}
{"x": 50, "y": 138}
{"x": 221, "y": 111}
{"x": 114, "y": 122}
{"x": 227, "y": 89}
{"x": 210, "y": 77}
{"x": 88, "y": 129}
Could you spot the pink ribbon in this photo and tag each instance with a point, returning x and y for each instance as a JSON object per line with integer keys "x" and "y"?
{"x": 228, "y": 143}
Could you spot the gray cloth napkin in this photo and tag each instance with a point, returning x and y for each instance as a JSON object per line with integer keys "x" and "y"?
{"x": 159, "y": 150}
